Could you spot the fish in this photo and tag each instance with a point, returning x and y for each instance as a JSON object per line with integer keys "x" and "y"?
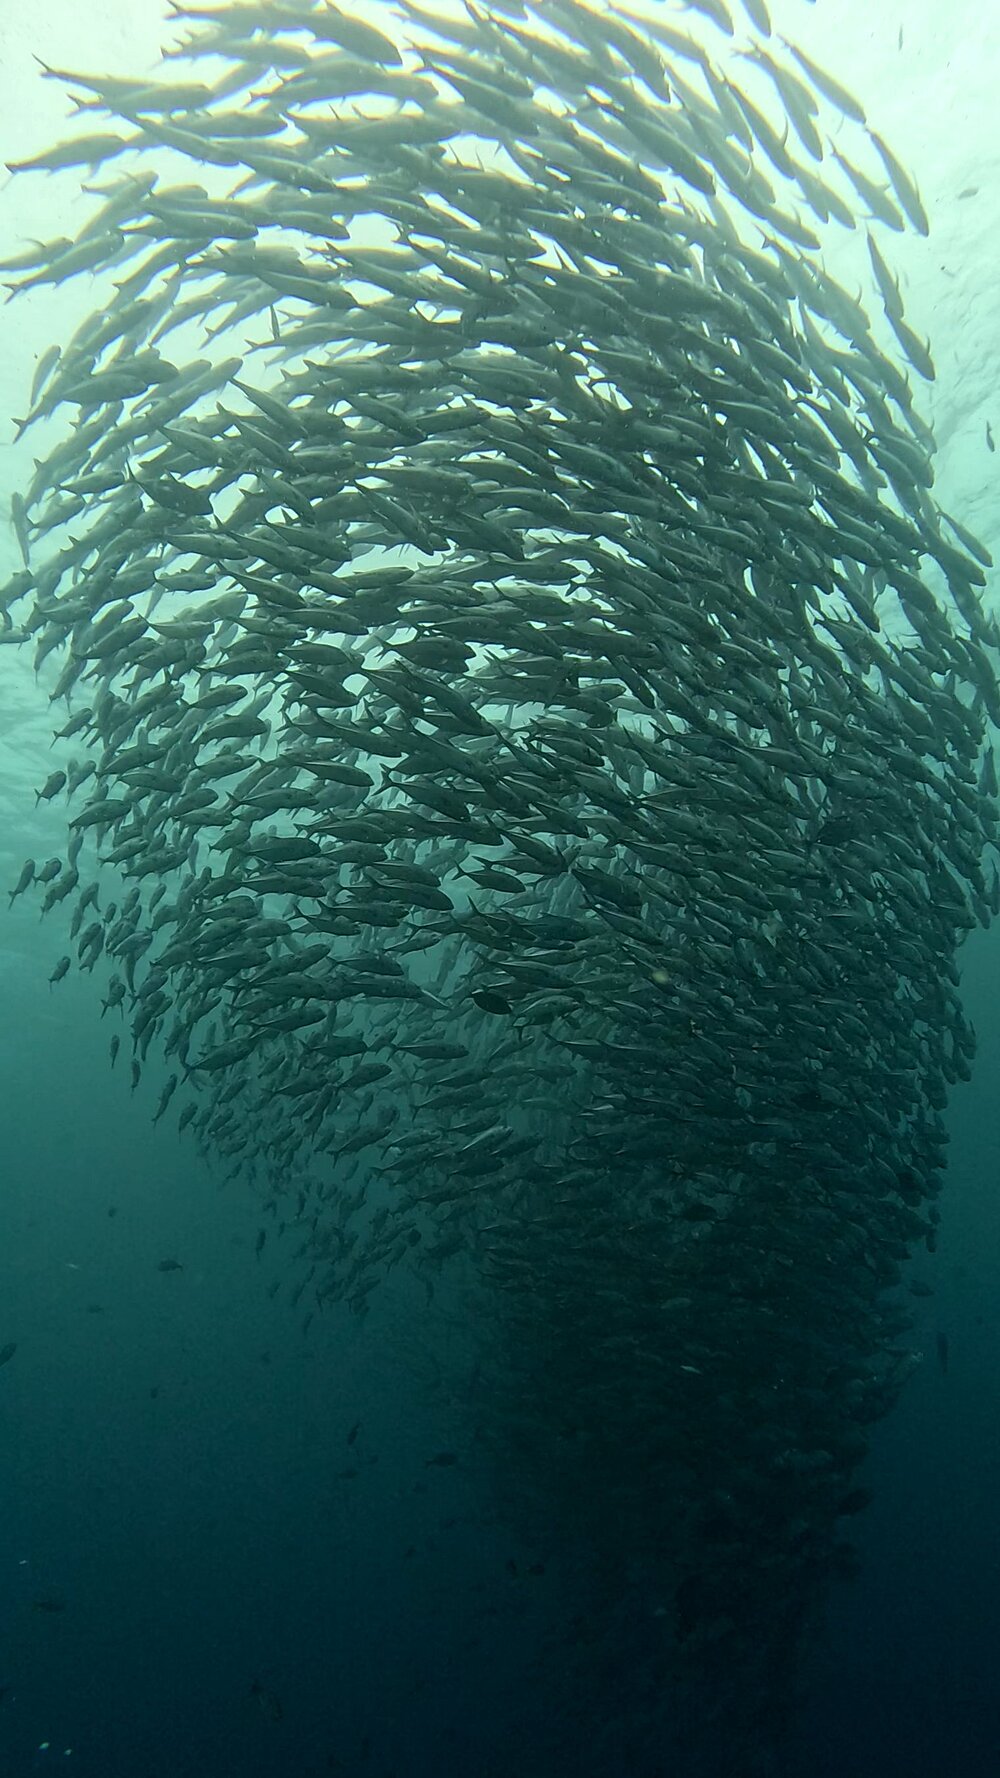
{"x": 7, "y": 1352}
{"x": 55, "y": 782}
{"x": 825, "y": 84}
{"x": 270, "y": 1704}
{"x": 22, "y": 530}
{"x": 164, "y": 1100}
{"x": 24, "y": 881}
{"x": 903, "y": 185}
{"x": 536, "y": 711}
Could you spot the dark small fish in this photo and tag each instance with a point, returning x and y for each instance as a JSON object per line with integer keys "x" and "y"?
{"x": 990, "y": 443}
{"x": 258, "y": 1245}
{"x": 170, "y": 1265}
{"x": 808, "y": 1100}
{"x": 855, "y": 1501}
{"x": 355, "y": 1429}
{"x": 270, "y": 1705}
{"x": 24, "y": 881}
{"x": 942, "y": 1352}
{"x": 443, "y": 1460}
{"x": 50, "y": 1603}
{"x": 52, "y": 786}
{"x": 7, "y": 1352}
{"x": 835, "y": 831}
{"x": 489, "y": 1002}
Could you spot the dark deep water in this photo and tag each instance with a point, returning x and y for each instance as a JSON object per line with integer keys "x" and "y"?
{"x": 907, "y": 1681}
{"x": 179, "y": 1486}
{"x": 178, "y": 1480}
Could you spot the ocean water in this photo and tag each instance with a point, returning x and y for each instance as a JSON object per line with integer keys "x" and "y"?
{"x": 230, "y": 1547}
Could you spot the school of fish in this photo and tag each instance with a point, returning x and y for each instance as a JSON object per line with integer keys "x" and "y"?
{"x": 537, "y": 714}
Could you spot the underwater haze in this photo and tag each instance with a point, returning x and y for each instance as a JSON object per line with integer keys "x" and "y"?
{"x": 499, "y": 690}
